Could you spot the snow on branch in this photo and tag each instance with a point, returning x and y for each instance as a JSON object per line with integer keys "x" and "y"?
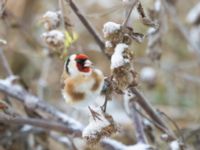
{"x": 109, "y": 144}
{"x": 110, "y": 28}
{"x": 194, "y": 14}
{"x": 33, "y": 102}
{"x": 117, "y": 59}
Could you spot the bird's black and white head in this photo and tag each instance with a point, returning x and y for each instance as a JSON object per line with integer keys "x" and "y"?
{"x": 78, "y": 63}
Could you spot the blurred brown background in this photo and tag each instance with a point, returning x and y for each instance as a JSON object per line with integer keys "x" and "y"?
{"x": 177, "y": 87}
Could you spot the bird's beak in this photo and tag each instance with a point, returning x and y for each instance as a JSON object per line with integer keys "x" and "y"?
{"x": 88, "y": 63}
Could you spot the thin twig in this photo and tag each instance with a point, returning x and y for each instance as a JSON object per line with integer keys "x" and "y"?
{"x": 45, "y": 124}
{"x": 178, "y": 24}
{"x": 174, "y": 124}
{"x": 86, "y": 23}
{"x": 151, "y": 112}
{"x": 5, "y": 63}
{"x": 61, "y": 7}
{"x": 43, "y": 77}
{"x": 140, "y": 135}
{"x": 124, "y": 24}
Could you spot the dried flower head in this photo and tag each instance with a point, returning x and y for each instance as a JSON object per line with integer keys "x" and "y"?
{"x": 110, "y": 28}
{"x": 99, "y": 128}
{"x": 54, "y": 39}
{"x": 51, "y": 19}
{"x": 115, "y": 33}
{"x": 122, "y": 69}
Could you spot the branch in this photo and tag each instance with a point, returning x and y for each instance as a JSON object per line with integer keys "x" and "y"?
{"x": 33, "y": 102}
{"x": 140, "y": 135}
{"x": 45, "y": 124}
{"x": 109, "y": 144}
{"x": 86, "y": 23}
{"x": 151, "y": 112}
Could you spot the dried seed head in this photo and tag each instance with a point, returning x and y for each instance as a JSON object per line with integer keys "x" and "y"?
{"x": 122, "y": 69}
{"x": 110, "y": 28}
{"x": 54, "y": 39}
{"x": 99, "y": 128}
{"x": 109, "y": 47}
{"x": 123, "y": 77}
{"x": 51, "y": 20}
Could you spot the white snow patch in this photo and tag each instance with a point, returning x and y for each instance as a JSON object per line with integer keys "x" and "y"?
{"x": 157, "y": 5}
{"x": 127, "y": 96}
{"x": 114, "y": 143}
{"x": 74, "y": 124}
{"x": 194, "y": 14}
{"x": 51, "y": 14}
{"x": 147, "y": 122}
{"x": 147, "y": 74}
{"x": 109, "y": 28}
{"x": 2, "y": 41}
{"x": 10, "y": 81}
{"x": 31, "y": 101}
{"x": 95, "y": 126}
{"x": 51, "y": 19}
{"x": 139, "y": 146}
{"x": 117, "y": 59}
{"x": 26, "y": 128}
{"x": 151, "y": 30}
{"x": 54, "y": 36}
{"x": 108, "y": 44}
{"x": 174, "y": 145}
{"x": 195, "y": 36}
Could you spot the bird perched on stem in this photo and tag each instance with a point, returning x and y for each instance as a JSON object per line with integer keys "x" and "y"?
{"x": 81, "y": 82}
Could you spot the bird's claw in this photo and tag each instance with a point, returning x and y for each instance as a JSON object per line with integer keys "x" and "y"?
{"x": 95, "y": 115}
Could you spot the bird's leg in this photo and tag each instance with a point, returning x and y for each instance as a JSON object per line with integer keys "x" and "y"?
{"x": 104, "y": 106}
{"x": 108, "y": 91}
{"x": 94, "y": 114}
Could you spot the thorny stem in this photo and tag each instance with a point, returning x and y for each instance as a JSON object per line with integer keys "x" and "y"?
{"x": 150, "y": 111}
{"x": 5, "y": 63}
{"x": 86, "y": 24}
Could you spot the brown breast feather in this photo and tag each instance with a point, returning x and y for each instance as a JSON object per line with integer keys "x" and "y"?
{"x": 97, "y": 81}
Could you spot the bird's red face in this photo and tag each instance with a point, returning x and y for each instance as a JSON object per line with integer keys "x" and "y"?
{"x": 83, "y": 63}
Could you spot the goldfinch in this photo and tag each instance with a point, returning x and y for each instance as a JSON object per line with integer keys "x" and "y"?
{"x": 81, "y": 82}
